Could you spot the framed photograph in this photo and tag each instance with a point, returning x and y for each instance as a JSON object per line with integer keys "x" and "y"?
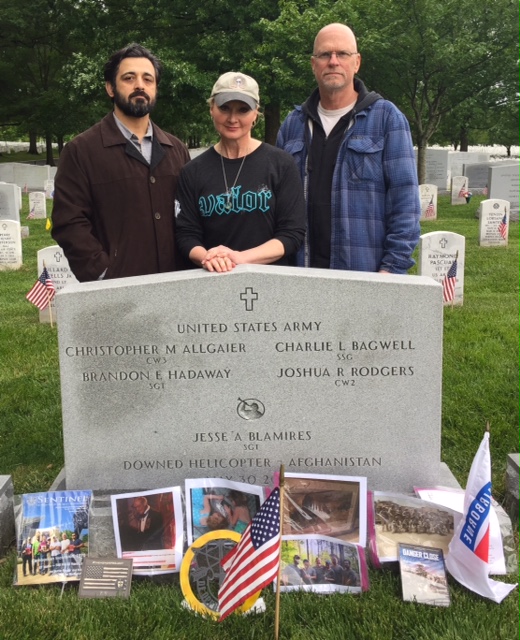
{"x": 214, "y": 504}
{"x": 334, "y": 506}
{"x": 423, "y": 575}
{"x": 323, "y": 565}
{"x": 148, "y": 528}
{"x": 397, "y": 518}
{"x": 52, "y": 531}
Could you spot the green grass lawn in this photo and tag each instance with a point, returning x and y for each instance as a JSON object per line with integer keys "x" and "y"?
{"x": 480, "y": 384}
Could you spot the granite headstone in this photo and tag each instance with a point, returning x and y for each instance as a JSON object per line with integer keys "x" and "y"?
{"x": 49, "y": 189}
{"x": 9, "y": 202}
{"x": 459, "y": 190}
{"x": 493, "y": 223}
{"x": 457, "y": 160}
{"x": 504, "y": 185}
{"x": 428, "y": 197}
{"x": 437, "y": 171}
{"x": 37, "y": 205}
{"x": 59, "y": 271}
{"x": 186, "y": 375}
{"x": 10, "y": 245}
{"x": 438, "y": 251}
{"x": 477, "y": 174}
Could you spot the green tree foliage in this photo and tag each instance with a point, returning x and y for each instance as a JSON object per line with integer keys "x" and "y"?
{"x": 430, "y": 57}
{"x": 36, "y": 39}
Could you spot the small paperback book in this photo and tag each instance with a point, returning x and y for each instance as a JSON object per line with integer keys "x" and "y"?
{"x": 423, "y": 575}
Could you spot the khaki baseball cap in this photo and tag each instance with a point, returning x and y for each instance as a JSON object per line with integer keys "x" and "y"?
{"x": 236, "y": 86}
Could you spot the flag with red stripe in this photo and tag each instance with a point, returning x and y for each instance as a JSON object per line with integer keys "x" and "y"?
{"x": 468, "y": 557}
{"x": 253, "y": 563}
{"x": 502, "y": 227}
{"x": 43, "y": 291}
{"x": 449, "y": 282}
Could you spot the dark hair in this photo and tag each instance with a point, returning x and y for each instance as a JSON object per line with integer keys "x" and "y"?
{"x": 131, "y": 51}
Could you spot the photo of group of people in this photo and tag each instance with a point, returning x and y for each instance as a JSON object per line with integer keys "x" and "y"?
{"x": 323, "y": 565}
{"x": 52, "y": 532}
{"x": 396, "y": 518}
{"x": 148, "y": 529}
{"x": 215, "y": 504}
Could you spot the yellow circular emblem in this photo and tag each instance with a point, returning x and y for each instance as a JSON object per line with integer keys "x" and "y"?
{"x": 201, "y": 574}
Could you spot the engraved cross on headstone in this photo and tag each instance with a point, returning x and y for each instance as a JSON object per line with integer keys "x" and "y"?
{"x": 57, "y": 256}
{"x": 443, "y": 243}
{"x": 249, "y": 296}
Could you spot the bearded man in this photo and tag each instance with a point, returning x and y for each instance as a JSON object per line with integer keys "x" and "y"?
{"x": 113, "y": 212}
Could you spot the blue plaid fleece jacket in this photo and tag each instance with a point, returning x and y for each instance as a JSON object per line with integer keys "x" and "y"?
{"x": 375, "y": 204}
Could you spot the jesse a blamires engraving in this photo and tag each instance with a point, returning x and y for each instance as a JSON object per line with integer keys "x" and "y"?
{"x": 300, "y": 369}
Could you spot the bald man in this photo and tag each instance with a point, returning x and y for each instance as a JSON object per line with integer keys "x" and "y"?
{"x": 356, "y": 160}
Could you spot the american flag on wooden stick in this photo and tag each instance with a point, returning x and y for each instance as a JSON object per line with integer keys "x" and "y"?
{"x": 449, "y": 282}
{"x": 430, "y": 209}
{"x": 502, "y": 227}
{"x": 253, "y": 563}
{"x": 43, "y": 291}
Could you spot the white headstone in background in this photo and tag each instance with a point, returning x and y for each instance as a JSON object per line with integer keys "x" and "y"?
{"x": 438, "y": 251}
{"x": 59, "y": 271}
{"x": 24, "y": 232}
{"x": 9, "y": 209}
{"x": 30, "y": 176}
{"x": 437, "y": 167}
{"x": 457, "y": 160}
{"x": 504, "y": 185}
{"x": 459, "y": 188}
{"x": 6, "y": 171}
{"x": 493, "y": 223}
{"x": 10, "y": 245}
{"x": 37, "y": 205}
{"x": 477, "y": 174}
{"x": 428, "y": 197}
{"x": 49, "y": 189}
{"x": 19, "y": 196}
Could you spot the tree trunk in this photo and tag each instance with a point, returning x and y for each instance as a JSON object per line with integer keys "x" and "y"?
{"x": 48, "y": 148}
{"x": 272, "y": 123}
{"x": 61, "y": 144}
{"x": 33, "y": 144}
{"x": 464, "y": 139}
{"x": 421, "y": 161}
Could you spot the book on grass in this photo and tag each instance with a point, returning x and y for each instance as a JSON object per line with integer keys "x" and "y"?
{"x": 423, "y": 575}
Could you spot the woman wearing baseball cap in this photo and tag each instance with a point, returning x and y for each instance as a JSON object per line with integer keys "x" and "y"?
{"x": 241, "y": 201}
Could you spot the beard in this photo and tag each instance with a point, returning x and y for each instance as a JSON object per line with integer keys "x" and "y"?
{"x": 138, "y": 108}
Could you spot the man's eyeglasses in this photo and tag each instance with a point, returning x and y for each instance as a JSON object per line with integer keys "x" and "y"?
{"x": 325, "y": 56}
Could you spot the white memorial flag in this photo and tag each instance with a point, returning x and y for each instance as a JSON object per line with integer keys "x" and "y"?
{"x": 468, "y": 557}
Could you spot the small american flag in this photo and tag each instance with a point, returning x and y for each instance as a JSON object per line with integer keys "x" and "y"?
{"x": 31, "y": 213}
{"x": 430, "y": 209}
{"x": 449, "y": 282}
{"x": 102, "y": 578}
{"x": 502, "y": 227}
{"x": 462, "y": 192}
{"x": 253, "y": 563}
{"x": 105, "y": 577}
{"x": 43, "y": 291}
